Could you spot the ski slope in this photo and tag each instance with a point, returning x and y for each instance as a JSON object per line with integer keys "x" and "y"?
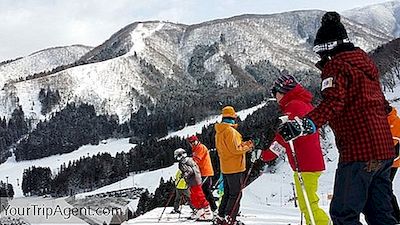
{"x": 139, "y": 180}
{"x": 190, "y": 130}
{"x": 14, "y": 170}
{"x": 394, "y": 96}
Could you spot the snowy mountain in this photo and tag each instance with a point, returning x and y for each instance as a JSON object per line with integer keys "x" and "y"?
{"x": 41, "y": 61}
{"x": 149, "y": 63}
{"x": 384, "y": 17}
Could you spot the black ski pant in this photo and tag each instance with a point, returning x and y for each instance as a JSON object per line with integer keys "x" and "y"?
{"x": 395, "y": 205}
{"x": 230, "y": 202}
{"x": 362, "y": 187}
{"x": 207, "y": 186}
{"x": 181, "y": 197}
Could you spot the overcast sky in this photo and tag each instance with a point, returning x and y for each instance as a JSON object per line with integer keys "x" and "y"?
{"x": 27, "y": 26}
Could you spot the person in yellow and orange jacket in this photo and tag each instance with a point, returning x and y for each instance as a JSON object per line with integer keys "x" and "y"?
{"x": 202, "y": 158}
{"x": 232, "y": 156}
{"x": 394, "y": 122}
{"x": 181, "y": 192}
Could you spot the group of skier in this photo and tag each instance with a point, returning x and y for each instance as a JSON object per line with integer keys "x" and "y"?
{"x": 366, "y": 128}
{"x": 198, "y": 171}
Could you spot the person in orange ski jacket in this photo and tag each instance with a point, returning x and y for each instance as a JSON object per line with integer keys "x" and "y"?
{"x": 394, "y": 122}
{"x": 232, "y": 157}
{"x": 202, "y": 158}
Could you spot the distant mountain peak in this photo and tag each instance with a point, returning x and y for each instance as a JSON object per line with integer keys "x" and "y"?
{"x": 384, "y": 17}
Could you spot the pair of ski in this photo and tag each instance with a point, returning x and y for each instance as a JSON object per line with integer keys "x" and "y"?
{"x": 189, "y": 220}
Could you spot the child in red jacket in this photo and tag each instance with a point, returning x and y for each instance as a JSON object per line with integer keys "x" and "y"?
{"x": 294, "y": 101}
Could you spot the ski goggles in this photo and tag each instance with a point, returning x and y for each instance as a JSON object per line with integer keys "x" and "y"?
{"x": 329, "y": 45}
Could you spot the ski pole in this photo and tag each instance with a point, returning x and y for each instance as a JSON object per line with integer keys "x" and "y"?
{"x": 216, "y": 184}
{"x": 180, "y": 205}
{"x": 169, "y": 199}
{"x": 204, "y": 181}
{"x": 303, "y": 188}
{"x": 294, "y": 196}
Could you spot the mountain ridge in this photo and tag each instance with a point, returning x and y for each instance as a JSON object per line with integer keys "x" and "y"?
{"x": 149, "y": 59}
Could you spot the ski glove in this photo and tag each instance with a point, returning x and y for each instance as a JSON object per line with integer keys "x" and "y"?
{"x": 292, "y": 129}
{"x": 255, "y": 154}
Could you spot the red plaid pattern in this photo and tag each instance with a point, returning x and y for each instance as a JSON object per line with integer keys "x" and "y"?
{"x": 354, "y": 106}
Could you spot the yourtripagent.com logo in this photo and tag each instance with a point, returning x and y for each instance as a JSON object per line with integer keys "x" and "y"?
{"x": 58, "y": 211}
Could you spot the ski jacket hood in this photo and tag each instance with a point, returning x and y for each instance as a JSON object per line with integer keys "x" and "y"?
{"x": 298, "y": 93}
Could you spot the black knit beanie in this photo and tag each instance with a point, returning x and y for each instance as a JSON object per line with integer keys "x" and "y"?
{"x": 331, "y": 29}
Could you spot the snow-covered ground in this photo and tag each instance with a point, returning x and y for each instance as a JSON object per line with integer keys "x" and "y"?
{"x": 390, "y": 96}
{"x": 267, "y": 200}
{"x": 139, "y": 180}
{"x": 14, "y": 170}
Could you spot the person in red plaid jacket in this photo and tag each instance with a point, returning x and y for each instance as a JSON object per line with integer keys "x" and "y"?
{"x": 353, "y": 104}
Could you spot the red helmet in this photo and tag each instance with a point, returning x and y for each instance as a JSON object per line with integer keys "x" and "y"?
{"x": 192, "y": 138}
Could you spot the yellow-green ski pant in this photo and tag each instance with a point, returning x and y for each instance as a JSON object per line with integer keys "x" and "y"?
{"x": 311, "y": 184}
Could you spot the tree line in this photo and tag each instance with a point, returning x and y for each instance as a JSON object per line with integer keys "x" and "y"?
{"x": 11, "y": 131}
{"x": 65, "y": 132}
{"x": 6, "y": 190}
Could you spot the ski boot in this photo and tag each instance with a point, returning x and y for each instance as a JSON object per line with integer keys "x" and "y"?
{"x": 204, "y": 214}
{"x": 230, "y": 221}
{"x": 175, "y": 211}
{"x": 218, "y": 220}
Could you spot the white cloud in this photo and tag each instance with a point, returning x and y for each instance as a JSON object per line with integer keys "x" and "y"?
{"x": 31, "y": 25}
